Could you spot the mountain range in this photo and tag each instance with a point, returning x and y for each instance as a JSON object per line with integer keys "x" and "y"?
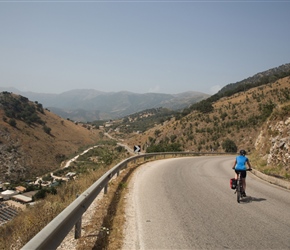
{"x": 89, "y": 104}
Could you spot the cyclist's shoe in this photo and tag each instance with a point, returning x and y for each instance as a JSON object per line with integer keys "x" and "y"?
{"x": 244, "y": 194}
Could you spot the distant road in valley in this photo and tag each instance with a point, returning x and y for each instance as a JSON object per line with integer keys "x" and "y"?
{"x": 130, "y": 150}
{"x": 187, "y": 203}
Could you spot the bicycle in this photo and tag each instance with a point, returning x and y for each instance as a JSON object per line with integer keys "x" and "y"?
{"x": 239, "y": 185}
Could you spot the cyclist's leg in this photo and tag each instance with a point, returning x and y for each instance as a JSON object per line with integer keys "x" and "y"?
{"x": 244, "y": 184}
{"x": 236, "y": 175}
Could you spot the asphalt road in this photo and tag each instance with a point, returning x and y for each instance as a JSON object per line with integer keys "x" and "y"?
{"x": 187, "y": 203}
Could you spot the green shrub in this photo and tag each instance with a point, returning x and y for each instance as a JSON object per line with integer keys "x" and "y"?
{"x": 12, "y": 122}
{"x": 229, "y": 146}
{"x": 46, "y": 129}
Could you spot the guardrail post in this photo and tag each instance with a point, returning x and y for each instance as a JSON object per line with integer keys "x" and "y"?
{"x": 78, "y": 229}
{"x": 106, "y": 185}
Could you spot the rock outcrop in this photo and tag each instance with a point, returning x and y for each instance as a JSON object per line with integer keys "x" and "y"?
{"x": 274, "y": 139}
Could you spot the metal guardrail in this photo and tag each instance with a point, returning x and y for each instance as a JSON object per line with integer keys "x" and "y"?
{"x": 51, "y": 236}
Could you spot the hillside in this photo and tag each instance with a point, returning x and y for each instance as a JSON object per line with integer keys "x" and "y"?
{"x": 238, "y": 120}
{"x": 34, "y": 141}
{"x": 261, "y": 78}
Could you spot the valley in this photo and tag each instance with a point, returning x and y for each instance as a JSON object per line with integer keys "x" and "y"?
{"x": 36, "y": 142}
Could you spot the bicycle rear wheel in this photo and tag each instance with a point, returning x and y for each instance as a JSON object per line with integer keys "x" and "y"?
{"x": 238, "y": 191}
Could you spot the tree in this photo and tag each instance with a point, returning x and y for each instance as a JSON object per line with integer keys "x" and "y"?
{"x": 12, "y": 122}
{"x": 157, "y": 132}
{"x": 46, "y": 129}
{"x": 164, "y": 147}
{"x": 41, "y": 194}
{"x": 204, "y": 106}
{"x": 229, "y": 146}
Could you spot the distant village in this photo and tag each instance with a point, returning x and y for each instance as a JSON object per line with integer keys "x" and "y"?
{"x": 13, "y": 201}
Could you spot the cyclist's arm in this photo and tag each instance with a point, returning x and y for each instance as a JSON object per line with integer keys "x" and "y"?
{"x": 233, "y": 167}
{"x": 249, "y": 164}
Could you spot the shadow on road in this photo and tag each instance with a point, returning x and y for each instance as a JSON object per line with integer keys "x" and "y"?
{"x": 249, "y": 199}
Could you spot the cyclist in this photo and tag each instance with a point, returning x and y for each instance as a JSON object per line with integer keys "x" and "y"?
{"x": 240, "y": 165}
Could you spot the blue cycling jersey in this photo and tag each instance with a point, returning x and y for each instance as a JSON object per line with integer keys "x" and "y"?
{"x": 241, "y": 162}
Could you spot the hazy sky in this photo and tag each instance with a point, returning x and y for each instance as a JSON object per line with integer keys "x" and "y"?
{"x": 139, "y": 46}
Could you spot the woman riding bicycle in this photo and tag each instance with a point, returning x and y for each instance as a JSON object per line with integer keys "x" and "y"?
{"x": 240, "y": 166}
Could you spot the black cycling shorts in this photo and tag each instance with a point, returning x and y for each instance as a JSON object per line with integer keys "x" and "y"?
{"x": 243, "y": 173}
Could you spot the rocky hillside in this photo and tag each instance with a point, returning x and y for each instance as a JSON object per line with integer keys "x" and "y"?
{"x": 34, "y": 141}
{"x": 273, "y": 142}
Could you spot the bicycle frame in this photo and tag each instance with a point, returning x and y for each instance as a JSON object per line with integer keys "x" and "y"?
{"x": 239, "y": 187}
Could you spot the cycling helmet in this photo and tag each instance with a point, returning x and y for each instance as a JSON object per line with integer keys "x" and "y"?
{"x": 242, "y": 152}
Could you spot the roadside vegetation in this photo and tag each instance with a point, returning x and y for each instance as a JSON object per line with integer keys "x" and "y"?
{"x": 89, "y": 167}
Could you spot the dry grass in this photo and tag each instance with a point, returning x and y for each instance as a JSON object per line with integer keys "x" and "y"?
{"x": 106, "y": 228}
{"x": 278, "y": 171}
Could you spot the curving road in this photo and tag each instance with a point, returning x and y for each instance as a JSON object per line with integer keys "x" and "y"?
{"x": 187, "y": 203}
